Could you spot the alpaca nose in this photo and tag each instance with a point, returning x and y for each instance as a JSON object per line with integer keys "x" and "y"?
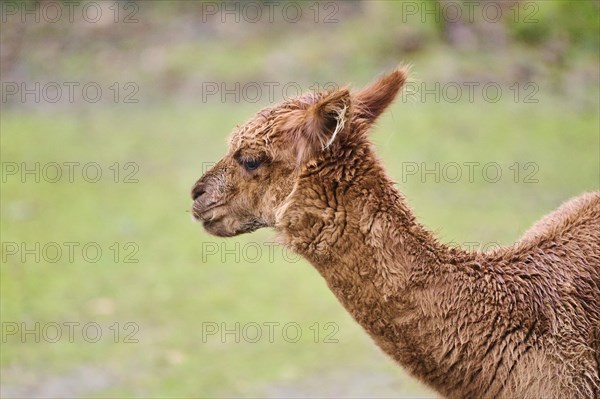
{"x": 197, "y": 191}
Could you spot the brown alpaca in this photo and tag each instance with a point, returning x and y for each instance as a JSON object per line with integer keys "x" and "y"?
{"x": 519, "y": 322}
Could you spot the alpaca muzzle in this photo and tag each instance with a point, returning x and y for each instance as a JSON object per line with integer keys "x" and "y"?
{"x": 204, "y": 201}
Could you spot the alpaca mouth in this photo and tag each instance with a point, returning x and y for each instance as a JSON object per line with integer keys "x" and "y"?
{"x": 206, "y": 214}
{"x": 208, "y": 223}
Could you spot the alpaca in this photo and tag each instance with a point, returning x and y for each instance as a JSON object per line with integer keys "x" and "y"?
{"x": 518, "y": 322}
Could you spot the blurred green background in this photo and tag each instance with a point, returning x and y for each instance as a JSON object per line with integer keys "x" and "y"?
{"x": 161, "y": 283}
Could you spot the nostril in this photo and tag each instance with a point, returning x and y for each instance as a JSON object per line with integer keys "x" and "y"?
{"x": 197, "y": 192}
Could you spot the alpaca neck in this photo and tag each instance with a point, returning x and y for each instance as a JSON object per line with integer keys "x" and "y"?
{"x": 362, "y": 227}
{"x": 385, "y": 268}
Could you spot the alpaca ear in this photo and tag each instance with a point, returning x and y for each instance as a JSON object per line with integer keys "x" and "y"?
{"x": 316, "y": 128}
{"x": 373, "y": 99}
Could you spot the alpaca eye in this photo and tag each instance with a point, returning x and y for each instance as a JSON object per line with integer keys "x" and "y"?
{"x": 251, "y": 164}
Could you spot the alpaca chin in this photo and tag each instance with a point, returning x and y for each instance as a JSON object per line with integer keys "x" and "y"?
{"x": 216, "y": 229}
{"x": 227, "y": 227}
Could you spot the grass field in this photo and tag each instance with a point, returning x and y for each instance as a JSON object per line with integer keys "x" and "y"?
{"x": 185, "y": 280}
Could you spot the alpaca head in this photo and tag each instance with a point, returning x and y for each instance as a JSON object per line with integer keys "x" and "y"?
{"x": 266, "y": 155}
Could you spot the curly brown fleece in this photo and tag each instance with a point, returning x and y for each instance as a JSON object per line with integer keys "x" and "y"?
{"x": 519, "y": 322}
